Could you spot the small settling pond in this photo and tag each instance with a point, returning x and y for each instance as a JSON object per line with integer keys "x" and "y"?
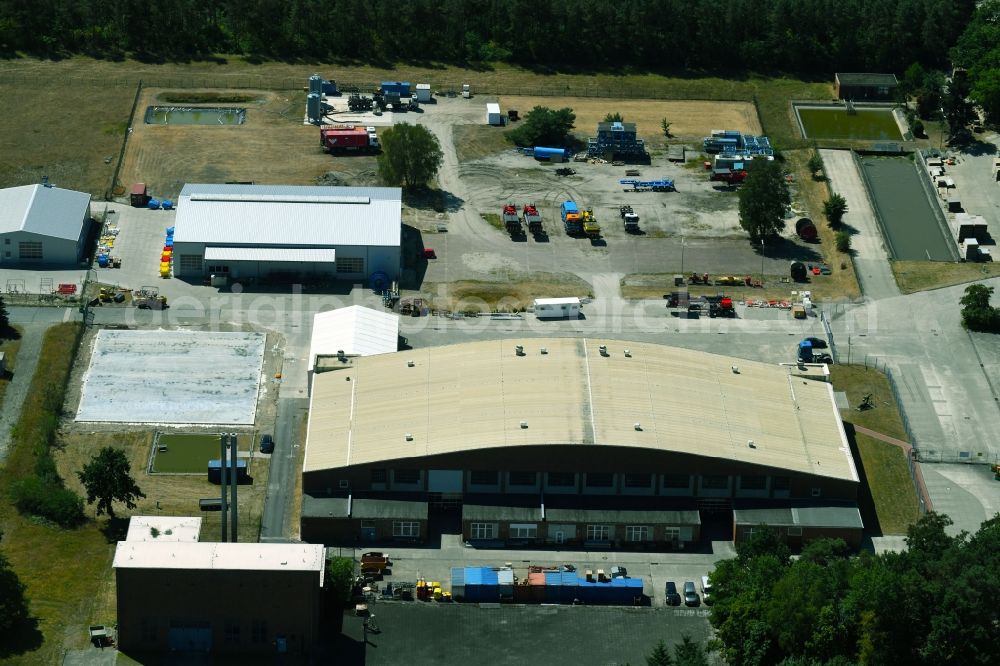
{"x": 198, "y": 115}
{"x": 836, "y": 123}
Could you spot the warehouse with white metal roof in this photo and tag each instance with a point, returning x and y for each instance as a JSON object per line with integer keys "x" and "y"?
{"x": 569, "y": 424}
{"x": 43, "y": 226}
{"x": 247, "y": 232}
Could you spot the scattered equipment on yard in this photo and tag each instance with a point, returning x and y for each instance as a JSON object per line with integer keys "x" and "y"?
{"x": 423, "y": 93}
{"x": 512, "y": 115}
{"x": 806, "y": 230}
{"x": 662, "y": 185}
{"x": 511, "y": 220}
{"x": 866, "y": 403}
{"x": 466, "y": 91}
{"x": 729, "y": 176}
{"x": 734, "y": 142}
{"x": 630, "y": 219}
{"x": 572, "y": 222}
{"x": 349, "y": 138}
{"x": 532, "y": 218}
{"x": 358, "y": 102}
{"x": 148, "y": 298}
{"x": 565, "y": 171}
{"x": 694, "y": 278}
{"x": 590, "y": 226}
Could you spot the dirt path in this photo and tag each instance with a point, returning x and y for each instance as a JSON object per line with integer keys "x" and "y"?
{"x": 27, "y": 360}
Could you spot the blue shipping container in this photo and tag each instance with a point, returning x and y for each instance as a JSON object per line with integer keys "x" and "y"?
{"x": 569, "y": 588}
{"x": 401, "y": 87}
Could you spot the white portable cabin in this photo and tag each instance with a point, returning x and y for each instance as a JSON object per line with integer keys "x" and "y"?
{"x": 423, "y": 92}
{"x": 493, "y": 116}
{"x": 557, "y": 308}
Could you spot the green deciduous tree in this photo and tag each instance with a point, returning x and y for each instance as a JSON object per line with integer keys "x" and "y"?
{"x": 13, "y": 603}
{"x": 339, "y": 580}
{"x": 665, "y": 127}
{"x": 544, "y": 127}
{"x": 614, "y": 118}
{"x": 4, "y": 319}
{"x": 411, "y": 155}
{"x": 986, "y": 91}
{"x": 834, "y": 209}
{"x": 843, "y": 241}
{"x": 108, "y": 479}
{"x": 977, "y": 313}
{"x": 763, "y": 199}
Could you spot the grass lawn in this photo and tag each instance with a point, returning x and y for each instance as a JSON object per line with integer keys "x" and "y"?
{"x": 884, "y": 464}
{"x": 890, "y": 483}
{"x": 914, "y": 276}
{"x": 184, "y": 454}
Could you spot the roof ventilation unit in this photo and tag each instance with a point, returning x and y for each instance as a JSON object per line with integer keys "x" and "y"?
{"x": 408, "y": 437}
{"x": 736, "y": 369}
{"x": 544, "y": 351}
{"x": 628, "y": 353}
{"x": 637, "y": 426}
{"x": 410, "y": 364}
{"x": 751, "y": 444}
{"x": 603, "y": 349}
{"x": 519, "y": 350}
{"x": 524, "y": 424}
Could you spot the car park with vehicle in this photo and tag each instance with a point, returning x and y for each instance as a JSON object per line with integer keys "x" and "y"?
{"x": 691, "y": 595}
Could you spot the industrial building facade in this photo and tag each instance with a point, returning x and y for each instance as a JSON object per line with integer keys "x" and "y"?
{"x": 552, "y": 441}
{"x": 179, "y": 595}
{"x": 43, "y": 226}
{"x": 246, "y": 232}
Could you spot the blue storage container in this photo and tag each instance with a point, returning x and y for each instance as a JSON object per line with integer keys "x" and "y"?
{"x": 457, "y": 582}
{"x": 167, "y": 204}
{"x": 170, "y": 232}
{"x": 542, "y": 153}
{"x": 102, "y": 260}
{"x": 553, "y": 584}
{"x": 635, "y": 589}
{"x": 402, "y": 88}
{"x": 169, "y": 242}
{"x": 153, "y": 204}
{"x": 569, "y": 587}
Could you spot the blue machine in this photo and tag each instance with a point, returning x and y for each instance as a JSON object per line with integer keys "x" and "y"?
{"x": 167, "y": 204}
{"x": 805, "y": 352}
{"x": 662, "y": 185}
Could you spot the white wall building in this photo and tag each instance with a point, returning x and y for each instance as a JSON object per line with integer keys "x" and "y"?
{"x": 43, "y": 226}
{"x": 253, "y": 231}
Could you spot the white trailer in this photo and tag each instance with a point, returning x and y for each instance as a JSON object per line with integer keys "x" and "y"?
{"x": 423, "y": 93}
{"x": 493, "y": 116}
{"x": 557, "y": 308}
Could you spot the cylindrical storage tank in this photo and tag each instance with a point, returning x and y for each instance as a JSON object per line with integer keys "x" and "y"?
{"x": 806, "y": 230}
{"x": 314, "y": 108}
{"x": 798, "y": 271}
{"x": 542, "y": 153}
{"x": 316, "y": 84}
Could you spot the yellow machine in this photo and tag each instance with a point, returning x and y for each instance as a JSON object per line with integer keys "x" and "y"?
{"x": 590, "y": 226}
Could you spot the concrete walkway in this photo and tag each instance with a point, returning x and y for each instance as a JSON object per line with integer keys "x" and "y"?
{"x": 871, "y": 258}
{"x": 17, "y": 391}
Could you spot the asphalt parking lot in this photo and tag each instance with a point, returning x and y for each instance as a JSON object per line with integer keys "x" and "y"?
{"x": 460, "y": 634}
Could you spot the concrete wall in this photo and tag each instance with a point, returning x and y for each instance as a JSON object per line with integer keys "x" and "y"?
{"x": 55, "y": 251}
{"x": 798, "y": 537}
{"x": 616, "y": 460}
{"x": 242, "y": 611}
{"x": 385, "y": 259}
{"x": 575, "y": 534}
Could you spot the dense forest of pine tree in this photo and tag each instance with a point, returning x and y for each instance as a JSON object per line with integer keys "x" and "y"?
{"x": 801, "y": 36}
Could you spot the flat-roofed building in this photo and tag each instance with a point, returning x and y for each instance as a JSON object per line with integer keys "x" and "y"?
{"x": 179, "y": 595}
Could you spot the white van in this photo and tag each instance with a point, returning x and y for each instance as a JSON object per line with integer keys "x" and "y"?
{"x": 706, "y": 591}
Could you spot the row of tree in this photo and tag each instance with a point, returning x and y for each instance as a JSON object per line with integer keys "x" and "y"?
{"x": 809, "y": 36}
{"x": 934, "y": 603}
{"x": 978, "y": 50}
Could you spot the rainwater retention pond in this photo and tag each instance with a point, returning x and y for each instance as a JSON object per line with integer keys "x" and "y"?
{"x": 909, "y": 220}
{"x": 198, "y": 115}
{"x": 865, "y": 124}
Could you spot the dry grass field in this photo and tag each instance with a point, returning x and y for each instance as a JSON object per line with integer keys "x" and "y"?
{"x": 914, "y": 276}
{"x": 688, "y": 118}
{"x": 79, "y": 151}
{"x": 272, "y": 147}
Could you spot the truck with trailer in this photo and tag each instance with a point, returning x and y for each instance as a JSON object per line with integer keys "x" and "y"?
{"x": 557, "y": 308}
{"x": 511, "y": 220}
{"x": 590, "y": 226}
{"x": 630, "y": 219}
{"x": 349, "y": 138}
{"x": 532, "y": 218}
{"x": 659, "y": 185}
{"x": 572, "y": 221}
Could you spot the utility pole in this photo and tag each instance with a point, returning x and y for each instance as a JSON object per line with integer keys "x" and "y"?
{"x": 234, "y": 479}
{"x": 222, "y": 484}
{"x": 761, "y": 262}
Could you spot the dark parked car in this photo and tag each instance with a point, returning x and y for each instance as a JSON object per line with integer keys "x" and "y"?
{"x": 691, "y": 595}
{"x": 817, "y": 343}
{"x": 673, "y": 599}
{"x": 266, "y": 444}
{"x": 823, "y": 358}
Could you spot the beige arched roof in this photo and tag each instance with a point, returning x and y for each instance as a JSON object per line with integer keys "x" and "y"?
{"x": 480, "y": 395}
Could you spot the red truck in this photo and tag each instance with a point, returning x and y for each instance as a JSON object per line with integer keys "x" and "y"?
{"x": 511, "y": 220}
{"x": 349, "y": 139}
{"x": 532, "y": 218}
